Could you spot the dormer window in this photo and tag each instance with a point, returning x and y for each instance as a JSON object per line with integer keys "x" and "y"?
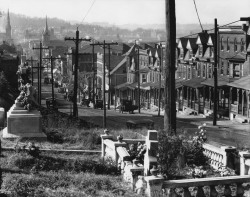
{"x": 228, "y": 46}
{"x": 242, "y": 45}
{"x": 200, "y": 50}
{"x": 181, "y": 53}
{"x": 235, "y": 45}
{"x": 221, "y": 44}
{"x": 211, "y": 52}
{"x": 190, "y": 54}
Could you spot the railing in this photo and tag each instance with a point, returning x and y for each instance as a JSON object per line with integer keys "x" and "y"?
{"x": 157, "y": 186}
{"x": 219, "y": 157}
{"x": 234, "y": 108}
{"x": 205, "y": 187}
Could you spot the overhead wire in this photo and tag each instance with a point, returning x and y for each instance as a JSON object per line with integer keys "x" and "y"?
{"x": 198, "y": 15}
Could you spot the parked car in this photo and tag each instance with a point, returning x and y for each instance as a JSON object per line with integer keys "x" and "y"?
{"x": 126, "y": 106}
{"x": 98, "y": 104}
{"x": 138, "y": 124}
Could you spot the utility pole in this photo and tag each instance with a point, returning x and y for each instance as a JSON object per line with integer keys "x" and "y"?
{"x": 40, "y": 72}
{"x": 77, "y": 40}
{"x": 159, "y": 95}
{"x": 138, "y": 76}
{"x": 109, "y": 79}
{"x": 52, "y": 75}
{"x": 38, "y": 67}
{"x": 104, "y": 75}
{"x": 32, "y": 76}
{"x": 93, "y": 70}
{"x": 215, "y": 70}
{"x": 169, "y": 69}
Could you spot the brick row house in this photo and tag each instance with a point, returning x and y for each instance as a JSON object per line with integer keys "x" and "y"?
{"x": 195, "y": 68}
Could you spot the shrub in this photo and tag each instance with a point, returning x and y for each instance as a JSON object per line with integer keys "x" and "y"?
{"x": 174, "y": 152}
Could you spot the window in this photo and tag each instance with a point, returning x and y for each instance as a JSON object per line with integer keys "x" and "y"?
{"x": 200, "y": 50}
{"x": 211, "y": 51}
{"x": 209, "y": 70}
{"x": 181, "y": 53}
{"x": 204, "y": 70}
{"x": 189, "y": 72}
{"x": 198, "y": 69}
{"x": 236, "y": 70}
{"x": 235, "y": 45}
{"x": 242, "y": 45}
{"x": 143, "y": 78}
{"x": 190, "y": 54}
{"x": 228, "y": 68}
{"x": 221, "y": 44}
{"x": 228, "y": 46}
{"x": 184, "y": 72}
{"x": 222, "y": 68}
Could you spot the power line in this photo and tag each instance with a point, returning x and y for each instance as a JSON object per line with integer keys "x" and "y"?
{"x": 198, "y": 15}
{"x": 88, "y": 11}
{"x": 205, "y": 30}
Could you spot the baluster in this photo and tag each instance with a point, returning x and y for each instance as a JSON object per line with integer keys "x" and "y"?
{"x": 200, "y": 192}
{"x": 227, "y": 191}
{"x": 240, "y": 190}
{"x": 213, "y": 192}
{"x": 172, "y": 193}
{"x": 186, "y": 192}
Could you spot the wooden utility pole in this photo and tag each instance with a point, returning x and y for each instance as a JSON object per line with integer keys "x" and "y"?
{"x": 52, "y": 75}
{"x": 169, "y": 69}
{"x": 215, "y": 71}
{"x": 40, "y": 72}
{"x": 159, "y": 95}
{"x": 109, "y": 79}
{"x": 93, "y": 70}
{"x": 77, "y": 40}
{"x": 32, "y": 76}
{"x": 104, "y": 75}
{"x": 138, "y": 77}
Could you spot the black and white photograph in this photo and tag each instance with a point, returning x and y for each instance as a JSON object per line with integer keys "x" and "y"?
{"x": 133, "y": 98}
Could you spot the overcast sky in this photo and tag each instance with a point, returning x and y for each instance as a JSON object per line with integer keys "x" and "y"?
{"x": 130, "y": 11}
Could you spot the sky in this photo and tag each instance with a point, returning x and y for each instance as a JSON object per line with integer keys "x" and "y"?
{"x": 120, "y": 12}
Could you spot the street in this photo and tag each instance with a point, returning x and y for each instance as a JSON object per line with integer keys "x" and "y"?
{"x": 230, "y": 133}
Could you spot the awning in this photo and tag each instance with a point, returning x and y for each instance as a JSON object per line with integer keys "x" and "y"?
{"x": 193, "y": 83}
{"x": 242, "y": 83}
{"x": 222, "y": 81}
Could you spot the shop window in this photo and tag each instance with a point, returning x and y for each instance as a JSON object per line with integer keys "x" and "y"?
{"x": 242, "y": 45}
{"x": 228, "y": 46}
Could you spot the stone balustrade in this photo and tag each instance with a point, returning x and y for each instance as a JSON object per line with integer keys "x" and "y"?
{"x": 215, "y": 186}
{"x": 219, "y": 156}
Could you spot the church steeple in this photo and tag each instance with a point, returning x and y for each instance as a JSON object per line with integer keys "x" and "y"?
{"x": 8, "y": 27}
{"x": 46, "y": 33}
{"x": 46, "y": 26}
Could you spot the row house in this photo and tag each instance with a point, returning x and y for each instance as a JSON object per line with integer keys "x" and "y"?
{"x": 197, "y": 92}
{"x": 143, "y": 64}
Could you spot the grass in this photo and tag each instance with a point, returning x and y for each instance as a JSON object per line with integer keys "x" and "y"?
{"x": 59, "y": 175}
{"x": 62, "y": 174}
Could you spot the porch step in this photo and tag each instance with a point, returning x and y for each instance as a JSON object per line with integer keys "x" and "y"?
{"x": 241, "y": 119}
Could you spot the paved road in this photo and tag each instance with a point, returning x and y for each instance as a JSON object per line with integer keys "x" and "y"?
{"x": 225, "y": 133}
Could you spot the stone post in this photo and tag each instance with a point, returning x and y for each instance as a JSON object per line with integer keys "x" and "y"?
{"x": 151, "y": 152}
{"x": 135, "y": 171}
{"x": 116, "y": 145}
{"x": 228, "y": 161}
{"x": 2, "y": 117}
{"x": 104, "y": 137}
{"x": 244, "y": 162}
{"x": 154, "y": 186}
